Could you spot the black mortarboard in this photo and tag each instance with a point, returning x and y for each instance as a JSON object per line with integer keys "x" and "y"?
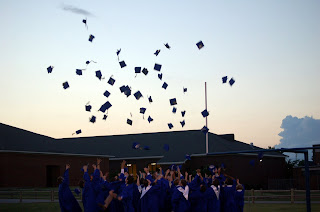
{"x": 170, "y": 126}
{"x": 205, "y": 113}
{"x": 173, "y": 101}
{"x": 98, "y": 74}
{"x": 174, "y": 110}
{"x": 167, "y": 45}
{"x": 182, "y": 123}
{"x": 84, "y": 21}
{"x": 146, "y": 148}
{"x": 93, "y": 119}
{"x": 106, "y": 93}
{"x": 122, "y": 64}
{"x": 150, "y": 99}
{"x": 205, "y": 130}
{"x": 118, "y": 51}
{"x": 231, "y": 81}
{"x": 165, "y": 85}
{"x": 104, "y": 117}
{"x": 129, "y": 121}
{"x": 127, "y": 91}
{"x": 137, "y": 70}
{"x": 200, "y": 45}
{"x": 224, "y": 79}
{"x": 160, "y": 76}
{"x": 87, "y": 62}
{"x": 111, "y": 81}
{"x": 150, "y": 119}
{"x": 166, "y": 147}
{"x": 185, "y": 90}
{"x": 49, "y": 69}
{"x": 122, "y": 88}
{"x": 78, "y": 132}
{"x": 157, "y": 52}
{"x": 105, "y": 106}
{"x": 157, "y": 67}
{"x": 91, "y": 37}
{"x": 79, "y": 71}
{"x": 183, "y": 113}
{"x": 142, "y": 110}
{"x": 88, "y": 108}
{"x": 138, "y": 95}
{"x": 145, "y": 71}
{"x": 65, "y": 85}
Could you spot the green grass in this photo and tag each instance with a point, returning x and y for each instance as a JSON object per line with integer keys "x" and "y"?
{"x": 54, "y": 207}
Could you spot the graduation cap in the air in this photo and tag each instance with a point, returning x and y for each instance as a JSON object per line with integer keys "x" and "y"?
{"x": 145, "y": 71}
{"x": 91, "y": 37}
{"x": 173, "y": 167}
{"x": 182, "y": 123}
{"x": 77, "y": 191}
{"x": 157, "y": 52}
{"x": 188, "y": 157}
{"x": 166, "y": 147}
{"x": 174, "y": 110}
{"x": 49, "y": 69}
{"x": 79, "y": 72}
{"x": 142, "y": 110}
{"x": 88, "y": 62}
{"x": 106, "y": 93}
{"x": 173, "y": 101}
{"x": 160, "y": 76}
{"x": 127, "y": 91}
{"x": 118, "y": 52}
{"x": 138, "y": 95}
{"x": 205, "y": 129}
{"x": 165, "y": 85}
{"x": 92, "y": 119}
{"x": 167, "y": 46}
{"x": 146, "y": 148}
{"x": 211, "y": 168}
{"x": 77, "y": 132}
{"x": 105, "y": 106}
{"x": 150, "y": 99}
{"x": 157, "y": 67}
{"x": 224, "y": 79}
{"x": 122, "y": 64}
{"x": 150, "y": 119}
{"x": 170, "y": 126}
{"x": 205, "y": 113}
{"x": 88, "y": 107}
{"x": 137, "y": 70}
{"x": 98, "y": 74}
{"x": 185, "y": 90}
{"x": 135, "y": 145}
{"x": 65, "y": 85}
{"x": 200, "y": 45}
{"x": 104, "y": 117}
{"x": 231, "y": 81}
{"x": 183, "y": 113}
{"x": 111, "y": 81}
{"x": 129, "y": 121}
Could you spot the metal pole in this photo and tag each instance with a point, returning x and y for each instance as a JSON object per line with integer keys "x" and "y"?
{"x": 207, "y": 143}
{"x": 307, "y": 175}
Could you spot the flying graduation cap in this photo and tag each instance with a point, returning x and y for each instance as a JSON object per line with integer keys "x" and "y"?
{"x": 88, "y": 107}
{"x": 49, "y": 69}
{"x": 160, "y": 76}
{"x": 65, "y": 85}
{"x": 150, "y": 99}
{"x": 91, "y": 37}
{"x": 165, "y": 85}
{"x": 205, "y": 129}
{"x": 85, "y": 23}
{"x": 142, "y": 110}
{"x": 118, "y": 52}
{"x": 145, "y": 71}
{"x": 92, "y": 119}
{"x": 135, "y": 145}
{"x": 98, "y": 74}
{"x": 122, "y": 64}
{"x": 173, "y": 101}
{"x": 188, "y": 157}
{"x": 137, "y": 70}
{"x": 224, "y": 79}
{"x": 88, "y": 62}
{"x": 205, "y": 113}
{"x": 111, "y": 81}
{"x": 170, "y": 126}
{"x": 182, "y": 123}
{"x": 138, "y": 95}
{"x": 105, "y": 107}
{"x": 77, "y": 132}
{"x": 166, "y": 147}
{"x": 157, "y": 67}
{"x": 150, "y": 119}
{"x": 106, "y": 93}
{"x": 104, "y": 117}
{"x": 167, "y": 46}
{"x": 185, "y": 90}
{"x": 157, "y": 52}
{"x": 174, "y": 110}
{"x": 183, "y": 113}
{"x": 231, "y": 81}
{"x": 126, "y": 90}
{"x": 200, "y": 45}
{"x": 129, "y": 121}
{"x": 79, "y": 72}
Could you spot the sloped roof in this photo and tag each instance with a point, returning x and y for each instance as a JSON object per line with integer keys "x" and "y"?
{"x": 120, "y": 146}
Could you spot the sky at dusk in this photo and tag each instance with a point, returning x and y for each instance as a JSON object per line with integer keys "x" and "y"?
{"x": 270, "y": 48}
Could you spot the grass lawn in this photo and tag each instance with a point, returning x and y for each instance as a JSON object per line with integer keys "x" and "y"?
{"x": 53, "y": 207}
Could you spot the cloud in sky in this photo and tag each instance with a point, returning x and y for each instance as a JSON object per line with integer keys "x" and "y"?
{"x": 76, "y": 10}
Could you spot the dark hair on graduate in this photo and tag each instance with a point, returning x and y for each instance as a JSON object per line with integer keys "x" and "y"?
{"x": 183, "y": 182}
{"x": 203, "y": 187}
{"x": 60, "y": 179}
{"x": 176, "y": 182}
{"x": 239, "y": 187}
{"x": 130, "y": 179}
{"x": 229, "y": 181}
{"x": 81, "y": 183}
{"x": 216, "y": 182}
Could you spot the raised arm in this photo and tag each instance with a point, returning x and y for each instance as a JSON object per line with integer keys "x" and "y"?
{"x": 66, "y": 175}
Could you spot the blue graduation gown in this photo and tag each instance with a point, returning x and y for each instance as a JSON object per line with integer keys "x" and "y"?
{"x": 127, "y": 198}
{"x": 179, "y": 202}
{"x": 150, "y": 201}
{"x": 239, "y": 200}
{"x": 213, "y": 202}
{"x": 66, "y": 199}
{"x": 88, "y": 195}
{"x": 198, "y": 201}
{"x": 229, "y": 195}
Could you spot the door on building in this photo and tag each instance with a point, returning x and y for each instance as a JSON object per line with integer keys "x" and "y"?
{"x": 53, "y": 172}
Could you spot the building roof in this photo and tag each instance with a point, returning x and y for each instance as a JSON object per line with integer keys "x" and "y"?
{"x": 180, "y": 142}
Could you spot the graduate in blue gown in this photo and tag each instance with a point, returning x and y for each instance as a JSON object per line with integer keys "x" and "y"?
{"x": 126, "y": 195}
{"x": 66, "y": 199}
{"x": 88, "y": 193}
{"x": 239, "y": 197}
{"x": 214, "y": 196}
{"x": 229, "y": 195}
{"x": 179, "y": 199}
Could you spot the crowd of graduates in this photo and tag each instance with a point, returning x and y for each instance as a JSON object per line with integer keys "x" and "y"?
{"x": 161, "y": 191}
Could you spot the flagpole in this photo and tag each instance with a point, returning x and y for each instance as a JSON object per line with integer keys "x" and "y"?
{"x": 207, "y": 143}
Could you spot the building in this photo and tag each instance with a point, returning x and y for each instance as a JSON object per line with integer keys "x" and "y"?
{"x": 253, "y": 170}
